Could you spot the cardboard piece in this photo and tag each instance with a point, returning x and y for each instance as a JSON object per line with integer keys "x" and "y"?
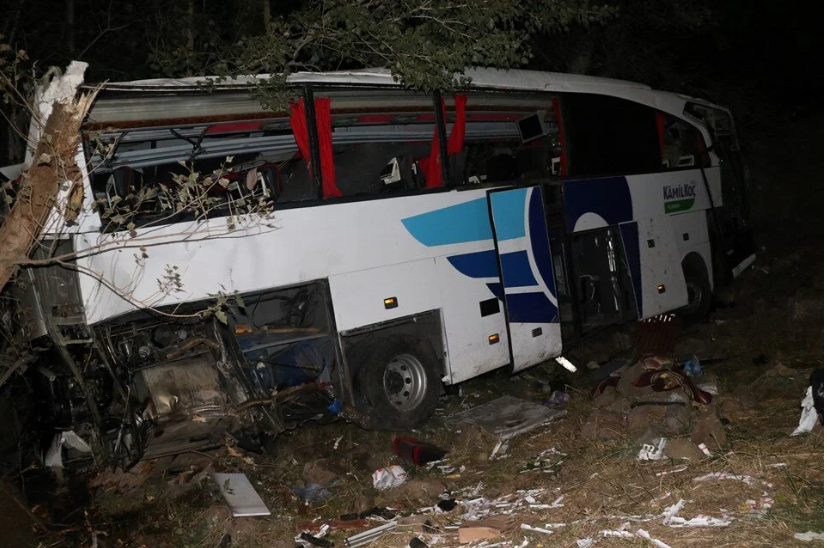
{"x": 481, "y": 530}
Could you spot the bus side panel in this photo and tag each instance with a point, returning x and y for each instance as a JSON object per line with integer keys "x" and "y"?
{"x": 692, "y": 235}
{"x": 663, "y": 287}
{"x": 359, "y": 297}
{"x": 671, "y": 193}
{"x": 471, "y": 312}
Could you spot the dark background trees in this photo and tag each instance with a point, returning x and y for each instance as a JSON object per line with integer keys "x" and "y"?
{"x": 761, "y": 58}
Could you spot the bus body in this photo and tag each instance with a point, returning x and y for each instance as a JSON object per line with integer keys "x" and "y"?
{"x": 344, "y": 250}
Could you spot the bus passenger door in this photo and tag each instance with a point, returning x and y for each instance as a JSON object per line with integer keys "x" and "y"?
{"x": 527, "y": 277}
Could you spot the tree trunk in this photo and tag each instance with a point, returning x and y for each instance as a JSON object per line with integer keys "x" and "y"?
{"x": 191, "y": 26}
{"x": 266, "y": 14}
{"x": 52, "y": 165}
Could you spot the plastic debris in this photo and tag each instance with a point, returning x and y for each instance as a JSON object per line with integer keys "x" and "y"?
{"x": 240, "y": 496}
{"x": 645, "y": 534}
{"x": 54, "y": 457}
{"x": 704, "y": 449}
{"x": 566, "y": 363}
{"x": 672, "y": 471}
{"x": 692, "y": 367}
{"x": 585, "y": 543}
{"x": 500, "y": 447}
{"x": 652, "y": 452}
{"x": 558, "y": 397}
{"x": 527, "y": 527}
{"x": 809, "y": 536}
{"x": 523, "y": 544}
{"x": 312, "y": 492}
{"x": 417, "y": 452}
{"x": 392, "y": 476}
{"x": 809, "y": 414}
{"x": 370, "y": 535}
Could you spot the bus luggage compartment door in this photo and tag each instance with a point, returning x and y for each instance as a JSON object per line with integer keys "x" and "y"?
{"x": 527, "y": 277}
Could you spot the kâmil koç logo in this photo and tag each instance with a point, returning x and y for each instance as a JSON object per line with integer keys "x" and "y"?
{"x": 678, "y": 197}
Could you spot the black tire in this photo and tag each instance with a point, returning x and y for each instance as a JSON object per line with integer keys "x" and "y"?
{"x": 700, "y": 297}
{"x": 399, "y": 381}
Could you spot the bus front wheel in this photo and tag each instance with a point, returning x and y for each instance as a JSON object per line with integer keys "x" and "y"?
{"x": 400, "y": 382}
{"x": 699, "y": 294}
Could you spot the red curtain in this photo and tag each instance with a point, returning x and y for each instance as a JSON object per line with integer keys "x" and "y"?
{"x": 431, "y": 166}
{"x": 660, "y": 124}
{"x": 298, "y": 122}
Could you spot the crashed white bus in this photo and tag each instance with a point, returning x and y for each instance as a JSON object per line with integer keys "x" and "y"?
{"x": 413, "y": 241}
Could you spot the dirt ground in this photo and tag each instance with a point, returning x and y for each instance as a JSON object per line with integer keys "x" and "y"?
{"x": 767, "y": 330}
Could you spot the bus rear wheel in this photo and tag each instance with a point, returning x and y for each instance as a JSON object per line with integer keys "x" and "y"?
{"x": 400, "y": 382}
{"x": 699, "y": 293}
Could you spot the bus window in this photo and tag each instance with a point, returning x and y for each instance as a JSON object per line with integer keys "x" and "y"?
{"x": 152, "y": 180}
{"x": 681, "y": 145}
{"x": 494, "y": 149}
{"x": 610, "y": 136}
{"x": 382, "y": 140}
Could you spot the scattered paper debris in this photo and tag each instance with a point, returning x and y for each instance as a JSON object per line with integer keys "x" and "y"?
{"x": 616, "y": 533}
{"x": 809, "y": 536}
{"x": 652, "y": 452}
{"x": 585, "y": 543}
{"x": 385, "y": 478}
{"x": 523, "y": 544}
{"x": 749, "y": 480}
{"x": 645, "y": 534}
{"x": 672, "y": 471}
{"x": 704, "y": 449}
{"x": 527, "y": 527}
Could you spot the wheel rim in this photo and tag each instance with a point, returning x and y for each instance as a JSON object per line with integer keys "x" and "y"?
{"x": 695, "y": 295}
{"x": 405, "y": 382}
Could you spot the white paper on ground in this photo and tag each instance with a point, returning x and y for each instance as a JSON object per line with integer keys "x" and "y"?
{"x": 809, "y": 536}
{"x": 240, "y": 495}
{"x": 671, "y": 518}
{"x": 385, "y": 478}
{"x": 645, "y": 534}
{"x": 749, "y": 480}
{"x": 652, "y": 452}
{"x": 809, "y": 415}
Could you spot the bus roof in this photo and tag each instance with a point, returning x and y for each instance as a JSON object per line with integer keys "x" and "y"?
{"x": 117, "y": 100}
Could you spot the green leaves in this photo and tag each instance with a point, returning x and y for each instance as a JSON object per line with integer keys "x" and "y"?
{"x": 425, "y": 43}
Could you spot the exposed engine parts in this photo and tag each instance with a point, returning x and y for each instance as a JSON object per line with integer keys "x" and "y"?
{"x": 151, "y": 384}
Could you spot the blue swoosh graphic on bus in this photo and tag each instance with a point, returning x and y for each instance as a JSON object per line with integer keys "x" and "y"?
{"x": 468, "y": 222}
{"x": 455, "y": 224}
{"x": 530, "y": 308}
{"x": 480, "y": 264}
{"x": 483, "y": 264}
{"x": 516, "y": 270}
{"x": 509, "y": 212}
{"x": 608, "y": 197}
